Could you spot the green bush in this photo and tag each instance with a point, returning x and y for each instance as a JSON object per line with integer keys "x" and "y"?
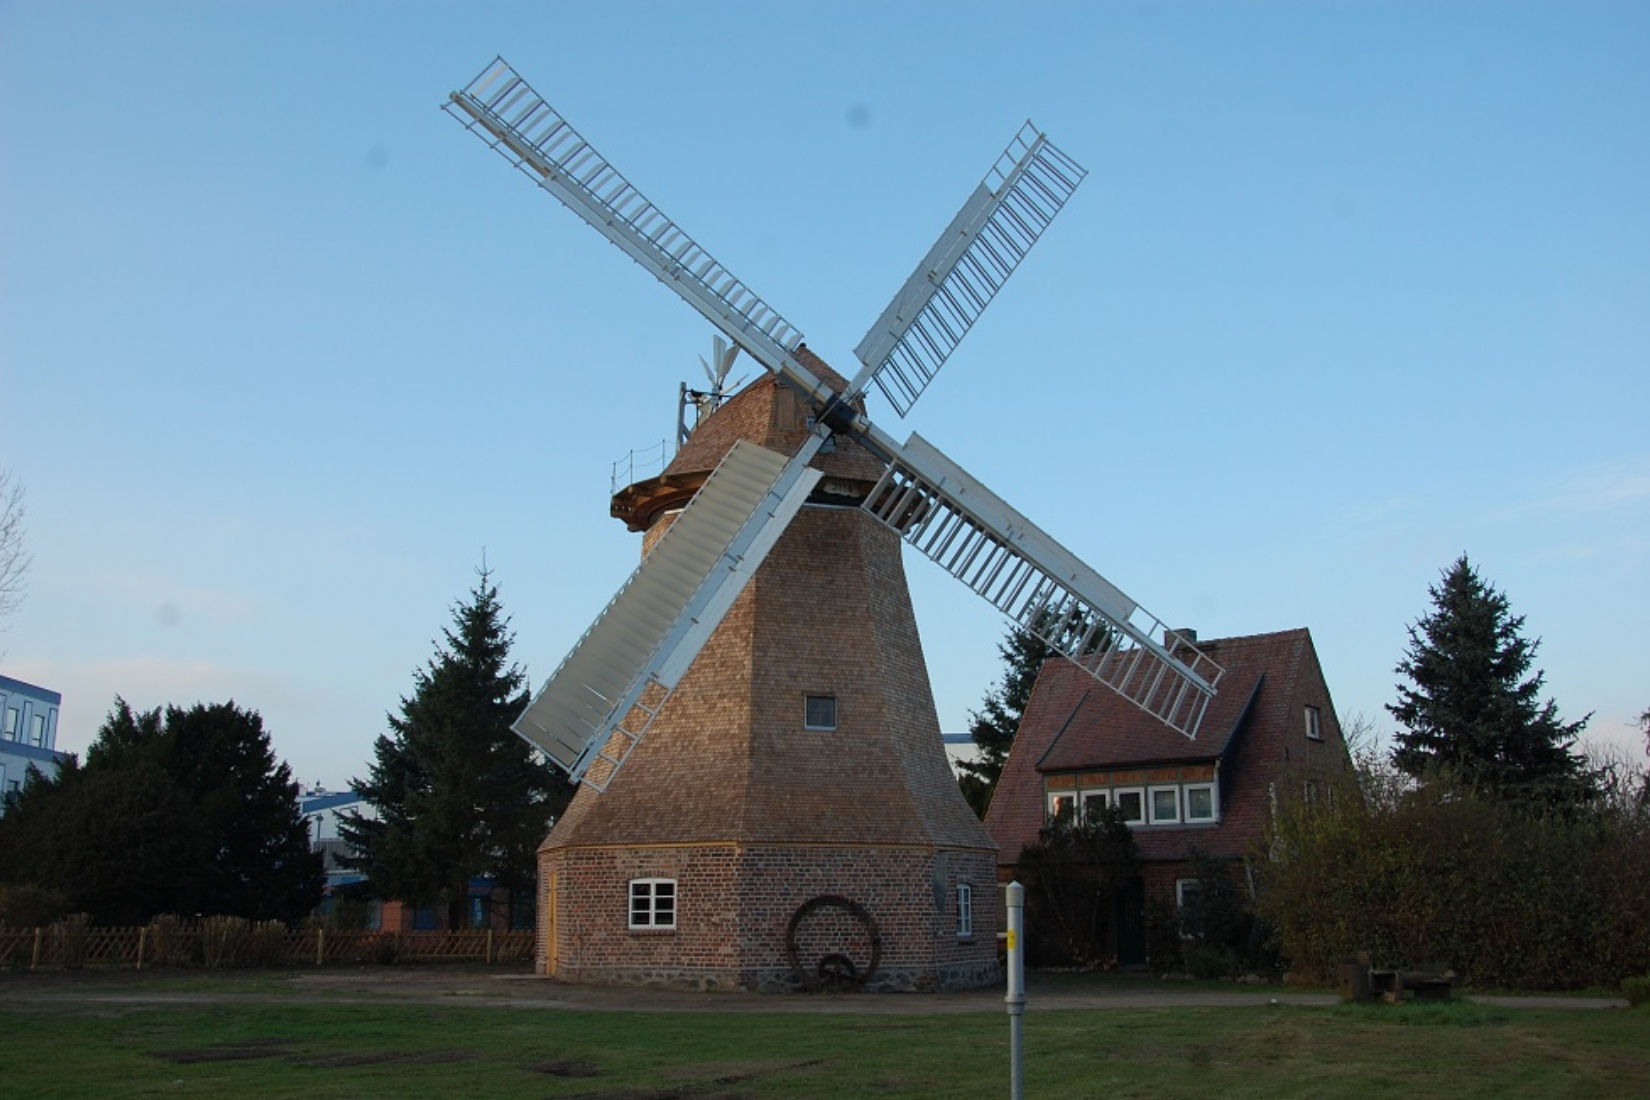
{"x": 1073, "y": 874}
{"x": 1636, "y": 990}
{"x": 1209, "y": 961}
{"x": 1504, "y": 894}
{"x": 25, "y": 905}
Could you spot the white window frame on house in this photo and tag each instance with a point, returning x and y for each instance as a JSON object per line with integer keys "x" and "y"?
{"x": 645, "y": 896}
{"x": 1092, "y": 801}
{"x": 1117, "y": 796}
{"x": 1151, "y": 805}
{"x": 13, "y": 716}
{"x": 1314, "y": 724}
{"x": 1051, "y": 807}
{"x": 37, "y": 730}
{"x": 965, "y": 910}
{"x": 819, "y": 712}
{"x": 1214, "y": 803}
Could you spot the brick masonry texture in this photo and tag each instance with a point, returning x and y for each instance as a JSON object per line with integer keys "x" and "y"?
{"x": 752, "y": 814}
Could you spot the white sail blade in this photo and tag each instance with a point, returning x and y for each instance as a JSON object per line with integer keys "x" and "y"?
{"x": 978, "y": 538}
{"x": 969, "y": 263}
{"x": 499, "y": 107}
{"x": 598, "y": 703}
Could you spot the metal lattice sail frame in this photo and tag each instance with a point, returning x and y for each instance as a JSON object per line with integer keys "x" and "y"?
{"x": 599, "y": 702}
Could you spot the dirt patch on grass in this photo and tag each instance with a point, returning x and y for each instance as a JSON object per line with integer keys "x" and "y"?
{"x": 567, "y": 1067}
{"x": 243, "y": 1051}
{"x": 385, "y": 1058}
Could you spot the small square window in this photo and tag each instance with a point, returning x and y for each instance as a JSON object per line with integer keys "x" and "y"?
{"x": 653, "y": 903}
{"x": 1165, "y": 805}
{"x": 1314, "y": 724}
{"x": 965, "y": 909}
{"x": 1062, "y": 807}
{"x": 1094, "y": 805}
{"x": 1200, "y": 802}
{"x": 1131, "y": 804}
{"x": 820, "y": 712}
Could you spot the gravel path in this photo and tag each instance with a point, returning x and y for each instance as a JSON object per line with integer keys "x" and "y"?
{"x": 444, "y": 986}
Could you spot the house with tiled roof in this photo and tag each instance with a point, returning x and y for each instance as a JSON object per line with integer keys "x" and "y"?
{"x": 1270, "y": 733}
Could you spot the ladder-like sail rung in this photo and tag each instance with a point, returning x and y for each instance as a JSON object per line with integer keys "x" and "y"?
{"x": 991, "y": 234}
{"x": 969, "y": 532}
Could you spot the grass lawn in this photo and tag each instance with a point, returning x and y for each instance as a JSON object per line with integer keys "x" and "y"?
{"x": 277, "y": 1047}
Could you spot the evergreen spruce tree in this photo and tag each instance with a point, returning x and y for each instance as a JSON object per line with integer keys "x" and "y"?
{"x": 994, "y": 725}
{"x": 1472, "y": 712}
{"x": 457, "y": 795}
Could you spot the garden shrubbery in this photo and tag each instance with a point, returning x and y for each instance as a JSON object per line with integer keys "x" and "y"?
{"x": 1504, "y": 893}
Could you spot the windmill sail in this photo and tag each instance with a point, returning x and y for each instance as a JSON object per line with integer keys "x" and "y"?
{"x": 978, "y": 538}
{"x": 976, "y": 254}
{"x": 500, "y": 108}
{"x": 598, "y": 703}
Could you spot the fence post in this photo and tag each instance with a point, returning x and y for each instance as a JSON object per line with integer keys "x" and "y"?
{"x": 489, "y": 947}
{"x": 143, "y": 934}
{"x": 34, "y": 962}
{"x": 320, "y": 946}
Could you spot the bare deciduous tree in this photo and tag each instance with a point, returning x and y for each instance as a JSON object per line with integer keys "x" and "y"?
{"x": 14, "y": 560}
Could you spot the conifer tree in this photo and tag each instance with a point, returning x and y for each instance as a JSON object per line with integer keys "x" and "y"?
{"x": 994, "y": 725}
{"x": 1472, "y": 712}
{"x": 180, "y": 811}
{"x": 457, "y": 795}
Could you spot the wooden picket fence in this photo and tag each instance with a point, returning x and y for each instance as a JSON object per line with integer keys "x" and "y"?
{"x": 69, "y": 945}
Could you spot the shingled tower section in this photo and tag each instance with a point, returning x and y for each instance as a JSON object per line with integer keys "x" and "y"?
{"x": 791, "y": 856}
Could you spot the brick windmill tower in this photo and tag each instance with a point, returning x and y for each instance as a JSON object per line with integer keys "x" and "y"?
{"x": 765, "y": 801}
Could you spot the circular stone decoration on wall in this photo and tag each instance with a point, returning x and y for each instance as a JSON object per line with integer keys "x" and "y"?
{"x": 823, "y": 938}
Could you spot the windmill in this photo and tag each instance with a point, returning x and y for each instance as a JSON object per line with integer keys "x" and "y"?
{"x": 821, "y": 475}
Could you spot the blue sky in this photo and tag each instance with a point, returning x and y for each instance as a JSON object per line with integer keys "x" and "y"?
{"x": 1352, "y": 288}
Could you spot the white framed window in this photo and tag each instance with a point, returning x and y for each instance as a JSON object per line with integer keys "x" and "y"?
{"x": 1200, "y": 802}
{"x": 1095, "y": 804}
{"x": 1062, "y": 805}
{"x": 38, "y": 735}
{"x": 965, "y": 909}
{"x": 1184, "y": 890}
{"x": 1314, "y": 724}
{"x": 652, "y": 903}
{"x": 10, "y": 732}
{"x": 819, "y": 712}
{"x": 1131, "y": 803}
{"x": 1165, "y": 804}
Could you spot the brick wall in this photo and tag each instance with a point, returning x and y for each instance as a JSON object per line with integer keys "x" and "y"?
{"x": 734, "y": 906}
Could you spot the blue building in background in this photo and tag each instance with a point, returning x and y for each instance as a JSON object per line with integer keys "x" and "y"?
{"x": 28, "y": 733}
